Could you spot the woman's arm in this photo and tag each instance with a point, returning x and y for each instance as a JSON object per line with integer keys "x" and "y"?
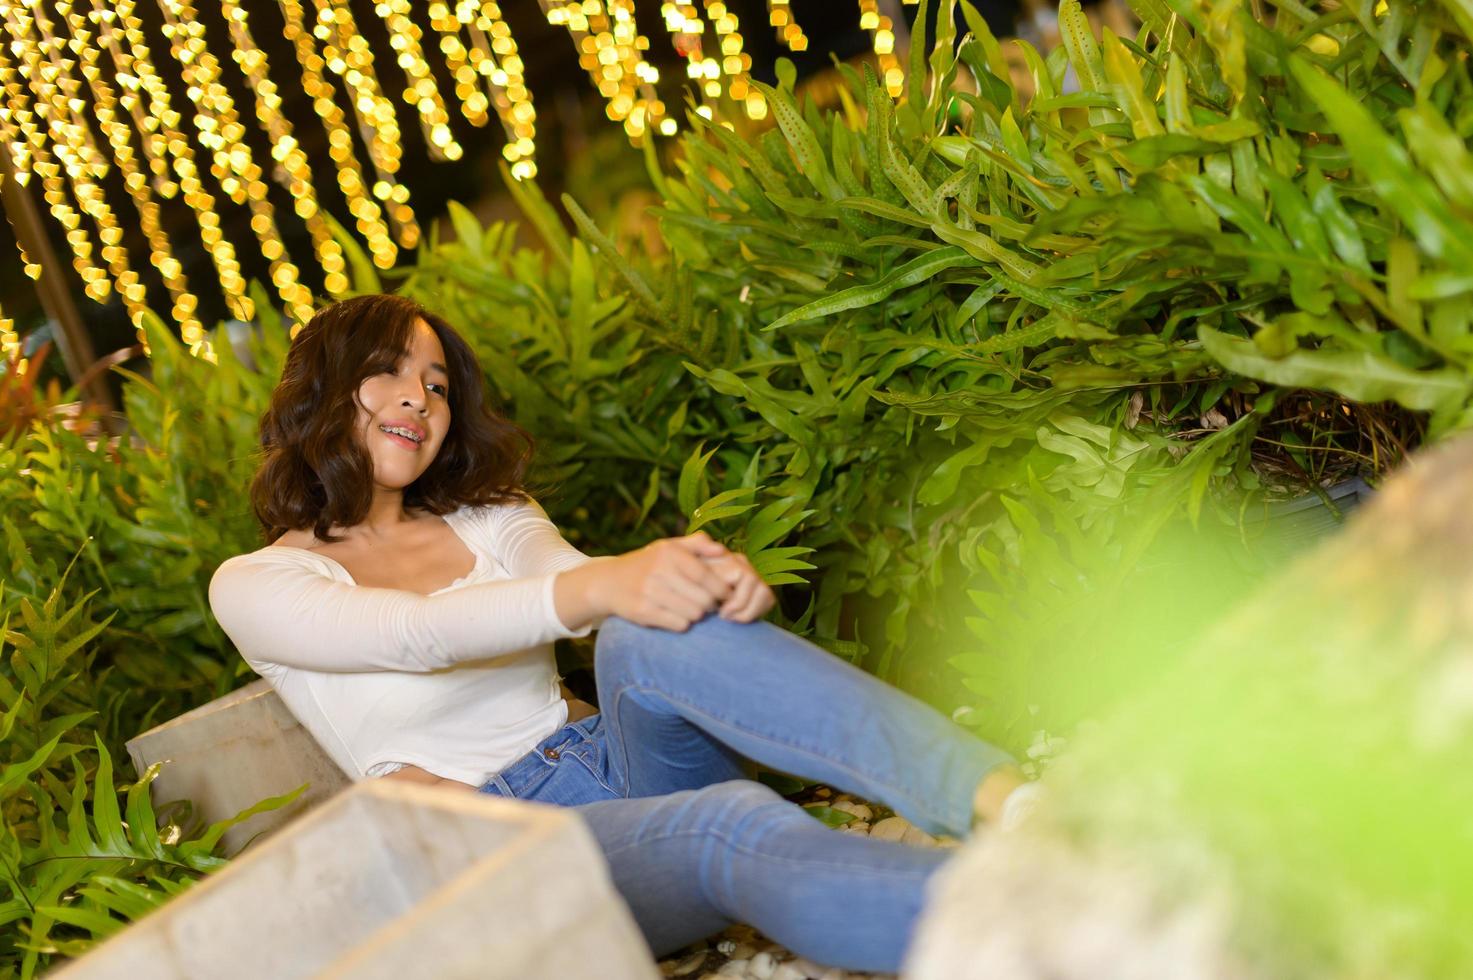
{"x": 666, "y": 583}
{"x": 278, "y": 611}
{"x": 671, "y": 583}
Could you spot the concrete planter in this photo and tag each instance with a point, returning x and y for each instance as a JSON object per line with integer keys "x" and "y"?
{"x": 396, "y": 880}
{"x": 234, "y": 752}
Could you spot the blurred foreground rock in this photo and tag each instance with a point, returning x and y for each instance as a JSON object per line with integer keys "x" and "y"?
{"x": 1293, "y": 801}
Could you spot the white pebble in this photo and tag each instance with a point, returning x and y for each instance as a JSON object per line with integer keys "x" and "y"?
{"x": 762, "y": 967}
{"x": 915, "y": 835}
{"x": 858, "y": 810}
{"x": 725, "y": 947}
{"x": 891, "y": 828}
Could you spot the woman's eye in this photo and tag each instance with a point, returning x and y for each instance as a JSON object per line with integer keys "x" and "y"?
{"x": 439, "y": 389}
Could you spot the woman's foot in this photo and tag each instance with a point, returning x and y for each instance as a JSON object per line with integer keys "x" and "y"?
{"x": 1004, "y": 798}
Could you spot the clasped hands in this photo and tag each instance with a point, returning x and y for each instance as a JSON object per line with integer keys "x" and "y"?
{"x": 673, "y": 583}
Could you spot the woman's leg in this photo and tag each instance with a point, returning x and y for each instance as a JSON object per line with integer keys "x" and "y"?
{"x": 680, "y": 706}
{"x": 692, "y": 862}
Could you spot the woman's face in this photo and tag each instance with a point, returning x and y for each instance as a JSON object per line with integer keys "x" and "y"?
{"x": 404, "y": 414}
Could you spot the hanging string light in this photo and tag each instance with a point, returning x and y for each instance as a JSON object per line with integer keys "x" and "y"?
{"x": 609, "y": 46}
{"x": 55, "y": 94}
{"x": 494, "y": 56}
{"x": 135, "y": 181}
{"x": 683, "y": 23}
{"x": 151, "y": 140}
{"x": 788, "y": 31}
{"x": 422, "y": 92}
{"x": 736, "y": 64}
{"x": 687, "y": 31}
{"x": 9, "y": 341}
{"x": 64, "y": 91}
{"x": 55, "y": 91}
{"x": 32, "y": 270}
{"x": 30, "y": 154}
{"x": 120, "y": 32}
{"x": 231, "y": 162}
{"x": 447, "y": 23}
{"x": 365, "y": 210}
{"x": 882, "y": 30}
{"x": 349, "y": 57}
{"x": 291, "y": 169}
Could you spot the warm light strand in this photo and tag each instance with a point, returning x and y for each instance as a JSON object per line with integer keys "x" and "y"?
{"x": 494, "y": 56}
{"x": 421, "y": 92}
{"x": 369, "y": 218}
{"x": 736, "y": 64}
{"x": 120, "y": 137}
{"x": 120, "y": 32}
{"x": 222, "y": 133}
{"x": 9, "y": 340}
{"x": 30, "y": 151}
{"x": 882, "y": 30}
{"x": 687, "y": 29}
{"x": 473, "y": 102}
{"x": 349, "y": 56}
{"x": 291, "y": 169}
{"x": 788, "y": 32}
{"x": 687, "y": 32}
{"x": 47, "y": 123}
{"x": 54, "y": 92}
{"x": 609, "y": 45}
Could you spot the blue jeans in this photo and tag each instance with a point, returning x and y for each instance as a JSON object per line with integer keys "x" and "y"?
{"x": 658, "y": 777}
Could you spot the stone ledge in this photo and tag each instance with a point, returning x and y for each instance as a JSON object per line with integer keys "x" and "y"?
{"x": 234, "y": 752}
{"x": 391, "y": 880}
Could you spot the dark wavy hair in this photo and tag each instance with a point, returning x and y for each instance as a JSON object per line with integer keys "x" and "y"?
{"x": 315, "y": 471}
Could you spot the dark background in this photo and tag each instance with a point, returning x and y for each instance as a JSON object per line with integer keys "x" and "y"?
{"x": 572, "y": 132}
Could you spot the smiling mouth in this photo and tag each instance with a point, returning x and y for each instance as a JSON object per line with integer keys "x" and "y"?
{"x": 402, "y": 437}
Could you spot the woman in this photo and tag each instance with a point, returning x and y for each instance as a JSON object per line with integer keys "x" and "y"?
{"x": 405, "y": 610}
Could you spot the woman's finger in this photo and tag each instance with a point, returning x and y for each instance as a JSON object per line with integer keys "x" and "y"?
{"x": 727, "y": 568}
{"x": 740, "y": 597}
{"x": 702, "y": 544}
{"x": 673, "y": 590}
{"x": 701, "y": 574}
{"x": 689, "y": 612}
{"x": 758, "y": 604}
{"x": 667, "y": 620}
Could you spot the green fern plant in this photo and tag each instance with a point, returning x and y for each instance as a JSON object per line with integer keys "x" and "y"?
{"x": 80, "y": 856}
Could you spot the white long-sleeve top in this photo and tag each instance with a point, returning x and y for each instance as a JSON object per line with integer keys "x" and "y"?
{"x": 461, "y": 682}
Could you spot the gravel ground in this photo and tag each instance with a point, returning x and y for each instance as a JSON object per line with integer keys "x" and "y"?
{"x": 742, "y": 951}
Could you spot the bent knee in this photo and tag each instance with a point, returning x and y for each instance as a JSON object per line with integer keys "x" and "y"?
{"x": 618, "y": 632}
{"x": 737, "y": 794}
{"x": 739, "y": 807}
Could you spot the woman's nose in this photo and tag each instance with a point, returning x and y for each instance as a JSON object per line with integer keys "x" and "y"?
{"x": 414, "y": 397}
